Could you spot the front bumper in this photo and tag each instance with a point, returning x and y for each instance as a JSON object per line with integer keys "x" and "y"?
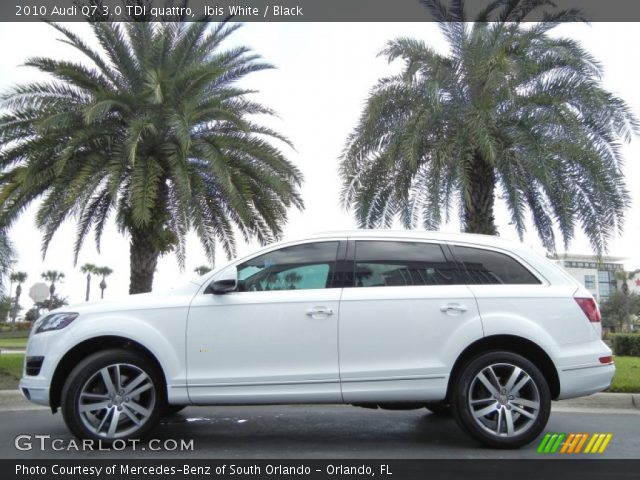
{"x": 48, "y": 346}
{"x": 35, "y": 389}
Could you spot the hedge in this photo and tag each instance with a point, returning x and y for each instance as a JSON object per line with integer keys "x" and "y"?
{"x": 17, "y": 329}
{"x": 625, "y": 344}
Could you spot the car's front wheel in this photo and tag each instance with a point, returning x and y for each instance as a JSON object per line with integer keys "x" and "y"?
{"x": 113, "y": 394}
{"x": 502, "y": 400}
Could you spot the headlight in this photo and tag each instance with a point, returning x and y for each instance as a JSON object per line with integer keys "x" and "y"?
{"x": 55, "y": 321}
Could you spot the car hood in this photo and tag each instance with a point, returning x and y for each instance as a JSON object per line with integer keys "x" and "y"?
{"x": 180, "y": 296}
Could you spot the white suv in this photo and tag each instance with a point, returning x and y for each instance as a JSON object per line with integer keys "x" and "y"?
{"x": 468, "y": 324}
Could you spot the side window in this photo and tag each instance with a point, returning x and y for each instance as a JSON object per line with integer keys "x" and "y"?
{"x": 484, "y": 267}
{"x": 388, "y": 264}
{"x": 299, "y": 267}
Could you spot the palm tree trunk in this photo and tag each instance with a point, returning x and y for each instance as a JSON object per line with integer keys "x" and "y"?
{"x": 10, "y": 310}
{"x": 17, "y": 304}
{"x": 143, "y": 257}
{"x": 88, "y": 287}
{"x": 478, "y": 208}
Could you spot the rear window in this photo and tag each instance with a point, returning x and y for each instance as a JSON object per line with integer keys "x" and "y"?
{"x": 485, "y": 267}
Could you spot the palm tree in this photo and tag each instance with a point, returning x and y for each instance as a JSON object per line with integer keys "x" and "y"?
{"x": 89, "y": 269}
{"x": 19, "y": 278}
{"x": 7, "y": 259}
{"x": 156, "y": 133}
{"x": 7, "y": 256}
{"x": 625, "y": 277}
{"x": 104, "y": 272}
{"x": 202, "y": 270}
{"x": 52, "y": 276}
{"x": 509, "y": 111}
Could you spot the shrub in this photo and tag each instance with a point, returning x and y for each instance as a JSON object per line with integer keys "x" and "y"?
{"x": 626, "y": 344}
{"x": 22, "y": 326}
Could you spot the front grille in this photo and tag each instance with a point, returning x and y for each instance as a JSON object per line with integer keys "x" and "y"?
{"x": 33, "y": 365}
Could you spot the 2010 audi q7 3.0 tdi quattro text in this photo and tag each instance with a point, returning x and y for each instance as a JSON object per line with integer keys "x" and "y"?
{"x": 468, "y": 324}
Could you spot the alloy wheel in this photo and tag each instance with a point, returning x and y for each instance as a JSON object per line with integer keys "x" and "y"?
{"x": 117, "y": 400}
{"x": 504, "y": 400}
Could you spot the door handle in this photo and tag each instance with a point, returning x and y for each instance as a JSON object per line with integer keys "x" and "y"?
{"x": 453, "y": 308}
{"x": 317, "y": 311}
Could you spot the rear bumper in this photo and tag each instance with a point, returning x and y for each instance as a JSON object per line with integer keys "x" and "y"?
{"x": 585, "y": 380}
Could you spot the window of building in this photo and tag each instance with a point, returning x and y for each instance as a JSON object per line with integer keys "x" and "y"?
{"x": 606, "y": 284}
{"x": 590, "y": 282}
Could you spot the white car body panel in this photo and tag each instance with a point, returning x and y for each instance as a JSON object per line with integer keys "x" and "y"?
{"x": 228, "y": 336}
{"x": 396, "y": 344}
{"x": 380, "y": 343}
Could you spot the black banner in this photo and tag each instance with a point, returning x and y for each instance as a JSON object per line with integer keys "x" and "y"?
{"x": 321, "y": 469}
{"x": 282, "y": 10}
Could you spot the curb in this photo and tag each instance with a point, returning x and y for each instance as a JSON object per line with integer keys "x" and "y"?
{"x": 11, "y": 400}
{"x": 603, "y": 401}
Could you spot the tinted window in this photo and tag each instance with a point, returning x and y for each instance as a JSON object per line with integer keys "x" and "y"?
{"x": 292, "y": 268}
{"x": 387, "y": 264}
{"x": 487, "y": 267}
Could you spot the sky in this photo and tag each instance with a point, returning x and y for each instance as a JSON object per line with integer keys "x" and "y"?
{"x": 323, "y": 76}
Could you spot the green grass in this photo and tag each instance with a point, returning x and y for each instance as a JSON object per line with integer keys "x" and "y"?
{"x": 627, "y": 377}
{"x": 11, "y": 364}
{"x": 18, "y": 343}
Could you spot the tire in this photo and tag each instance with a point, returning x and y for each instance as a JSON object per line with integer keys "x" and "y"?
{"x": 440, "y": 409}
{"x": 130, "y": 411}
{"x": 512, "y": 401}
{"x": 173, "y": 409}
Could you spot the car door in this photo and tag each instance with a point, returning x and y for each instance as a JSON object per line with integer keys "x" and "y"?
{"x": 403, "y": 322}
{"x": 274, "y": 339}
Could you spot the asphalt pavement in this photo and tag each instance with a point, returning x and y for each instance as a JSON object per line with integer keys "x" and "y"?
{"x": 303, "y": 431}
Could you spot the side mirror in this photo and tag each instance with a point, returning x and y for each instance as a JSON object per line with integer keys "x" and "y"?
{"x": 225, "y": 282}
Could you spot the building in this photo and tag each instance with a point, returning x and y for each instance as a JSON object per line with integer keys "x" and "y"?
{"x": 598, "y": 275}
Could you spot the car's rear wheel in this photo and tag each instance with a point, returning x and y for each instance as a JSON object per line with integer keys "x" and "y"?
{"x": 113, "y": 394}
{"x": 501, "y": 399}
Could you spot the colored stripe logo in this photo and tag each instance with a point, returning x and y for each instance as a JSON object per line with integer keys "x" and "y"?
{"x": 574, "y": 443}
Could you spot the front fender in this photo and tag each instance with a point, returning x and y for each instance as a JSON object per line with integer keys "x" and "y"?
{"x": 162, "y": 334}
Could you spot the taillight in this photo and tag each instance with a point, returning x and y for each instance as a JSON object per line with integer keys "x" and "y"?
{"x": 590, "y": 308}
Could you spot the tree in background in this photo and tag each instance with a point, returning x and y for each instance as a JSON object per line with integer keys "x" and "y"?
{"x": 49, "y": 304}
{"x": 89, "y": 269}
{"x": 152, "y": 130}
{"x": 19, "y": 278}
{"x": 620, "y": 310}
{"x": 7, "y": 259}
{"x": 510, "y": 111}
{"x": 104, "y": 272}
{"x": 6, "y": 307}
{"x": 202, "y": 270}
{"x": 52, "y": 276}
{"x": 625, "y": 278}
